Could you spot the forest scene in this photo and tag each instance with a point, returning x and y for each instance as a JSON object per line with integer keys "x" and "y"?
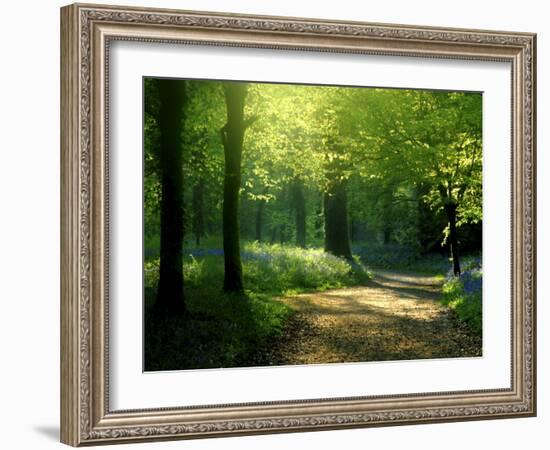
{"x": 303, "y": 224}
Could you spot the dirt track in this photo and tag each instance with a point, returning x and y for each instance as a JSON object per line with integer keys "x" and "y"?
{"x": 397, "y": 316}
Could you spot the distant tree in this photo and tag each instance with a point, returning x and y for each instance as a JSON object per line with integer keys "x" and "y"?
{"x": 298, "y": 204}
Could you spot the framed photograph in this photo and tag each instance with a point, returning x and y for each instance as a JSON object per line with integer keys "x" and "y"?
{"x": 273, "y": 224}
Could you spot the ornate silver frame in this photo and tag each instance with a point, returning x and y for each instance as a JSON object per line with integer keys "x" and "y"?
{"x": 86, "y": 31}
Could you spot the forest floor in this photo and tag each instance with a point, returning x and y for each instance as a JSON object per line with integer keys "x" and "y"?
{"x": 397, "y": 316}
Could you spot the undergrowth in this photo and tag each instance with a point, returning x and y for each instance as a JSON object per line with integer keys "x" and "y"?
{"x": 226, "y": 330}
{"x": 463, "y": 294}
{"x": 401, "y": 257}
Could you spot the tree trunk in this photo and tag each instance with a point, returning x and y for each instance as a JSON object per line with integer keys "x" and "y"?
{"x": 273, "y": 234}
{"x": 336, "y": 221}
{"x": 387, "y": 234}
{"x": 260, "y": 216}
{"x": 232, "y": 137}
{"x": 319, "y": 218}
{"x": 170, "y": 294}
{"x": 259, "y": 220}
{"x": 386, "y": 217}
{"x": 450, "y": 209}
{"x": 299, "y": 206}
{"x": 198, "y": 211}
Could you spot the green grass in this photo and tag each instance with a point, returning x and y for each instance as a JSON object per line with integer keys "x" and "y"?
{"x": 224, "y": 330}
{"x": 220, "y": 331}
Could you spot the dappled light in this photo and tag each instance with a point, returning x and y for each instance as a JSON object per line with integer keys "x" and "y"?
{"x": 373, "y": 323}
{"x": 305, "y": 224}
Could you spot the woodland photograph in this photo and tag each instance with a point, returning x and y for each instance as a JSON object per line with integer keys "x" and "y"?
{"x": 289, "y": 224}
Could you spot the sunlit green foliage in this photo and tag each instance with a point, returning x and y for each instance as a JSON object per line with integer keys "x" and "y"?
{"x": 270, "y": 269}
{"x": 401, "y": 150}
{"x": 399, "y": 165}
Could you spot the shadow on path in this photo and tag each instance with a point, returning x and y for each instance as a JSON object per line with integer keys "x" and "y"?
{"x": 396, "y": 316}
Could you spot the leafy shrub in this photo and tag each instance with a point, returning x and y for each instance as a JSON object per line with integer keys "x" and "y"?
{"x": 269, "y": 268}
{"x": 151, "y": 273}
{"x": 283, "y": 269}
{"x": 394, "y": 256}
{"x": 464, "y": 294}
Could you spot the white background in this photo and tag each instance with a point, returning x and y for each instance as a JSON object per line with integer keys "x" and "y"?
{"x": 29, "y": 228}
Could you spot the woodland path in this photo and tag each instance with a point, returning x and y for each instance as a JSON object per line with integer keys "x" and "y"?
{"x": 396, "y": 316}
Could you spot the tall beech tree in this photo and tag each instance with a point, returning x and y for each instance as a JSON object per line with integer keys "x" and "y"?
{"x": 232, "y": 136}
{"x": 335, "y": 207}
{"x": 450, "y": 210}
{"x": 336, "y": 220}
{"x": 170, "y": 294}
{"x": 336, "y": 175}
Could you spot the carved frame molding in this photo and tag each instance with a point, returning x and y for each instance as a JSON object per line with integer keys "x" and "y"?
{"x": 86, "y": 31}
